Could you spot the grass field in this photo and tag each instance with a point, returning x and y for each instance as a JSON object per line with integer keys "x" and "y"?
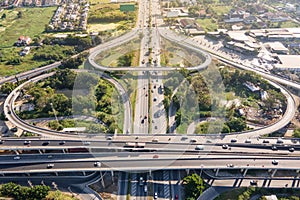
{"x": 208, "y": 24}
{"x": 220, "y": 10}
{"x": 32, "y": 23}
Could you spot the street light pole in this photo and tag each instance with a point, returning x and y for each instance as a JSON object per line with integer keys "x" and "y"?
{"x": 54, "y": 111}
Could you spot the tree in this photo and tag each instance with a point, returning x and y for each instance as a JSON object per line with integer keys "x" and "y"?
{"x": 193, "y": 186}
{"x": 296, "y": 133}
{"x": 7, "y": 87}
{"x": 236, "y": 124}
{"x": 3, "y": 16}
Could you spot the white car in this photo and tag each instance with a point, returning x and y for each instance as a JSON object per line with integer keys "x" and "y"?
{"x": 155, "y": 195}
{"x": 17, "y": 158}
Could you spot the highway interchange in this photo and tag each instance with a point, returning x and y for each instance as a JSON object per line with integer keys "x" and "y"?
{"x": 163, "y": 155}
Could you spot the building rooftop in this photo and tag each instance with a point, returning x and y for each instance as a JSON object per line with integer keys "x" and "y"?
{"x": 289, "y": 61}
{"x": 238, "y": 35}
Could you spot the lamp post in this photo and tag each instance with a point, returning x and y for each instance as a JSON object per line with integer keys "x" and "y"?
{"x": 54, "y": 111}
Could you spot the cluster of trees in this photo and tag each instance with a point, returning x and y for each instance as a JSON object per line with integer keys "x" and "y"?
{"x": 8, "y": 87}
{"x": 62, "y": 79}
{"x": 104, "y": 94}
{"x": 233, "y": 80}
{"x": 193, "y": 186}
{"x": 15, "y": 191}
{"x": 52, "y": 53}
{"x": 61, "y": 124}
{"x": 125, "y": 60}
{"x": 79, "y": 43}
{"x": 47, "y": 103}
{"x": 73, "y": 62}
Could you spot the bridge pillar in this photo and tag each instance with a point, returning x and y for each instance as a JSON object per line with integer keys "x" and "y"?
{"x": 217, "y": 172}
{"x": 56, "y": 173}
{"x": 28, "y": 174}
{"x": 150, "y": 173}
{"x": 273, "y": 173}
{"x": 64, "y": 151}
{"x": 187, "y": 171}
{"x": 245, "y": 172}
{"x": 102, "y": 181}
{"x": 16, "y": 152}
{"x": 83, "y": 172}
{"x": 112, "y": 176}
{"x": 40, "y": 151}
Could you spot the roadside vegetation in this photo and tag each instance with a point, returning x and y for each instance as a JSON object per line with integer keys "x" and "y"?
{"x": 247, "y": 193}
{"x": 193, "y": 186}
{"x": 238, "y": 100}
{"x": 91, "y": 97}
{"x": 37, "y": 192}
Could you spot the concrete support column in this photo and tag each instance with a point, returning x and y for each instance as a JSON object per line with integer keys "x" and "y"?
{"x": 16, "y": 152}
{"x": 102, "y": 181}
{"x": 83, "y": 172}
{"x": 64, "y": 151}
{"x": 56, "y": 173}
{"x": 187, "y": 171}
{"x": 245, "y": 172}
{"x": 27, "y": 174}
{"x": 273, "y": 173}
{"x": 217, "y": 172}
{"x": 40, "y": 151}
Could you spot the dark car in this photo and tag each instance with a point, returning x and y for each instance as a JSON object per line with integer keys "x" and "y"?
{"x": 46, "y": 143}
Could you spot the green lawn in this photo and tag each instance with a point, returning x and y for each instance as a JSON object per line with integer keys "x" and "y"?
{"x": 220, "y": 10}
{"x": 208, "y": 24}
{"x": 32, "y": 23}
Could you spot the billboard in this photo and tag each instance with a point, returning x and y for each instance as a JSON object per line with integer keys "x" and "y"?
{"x": 127, "y": 7}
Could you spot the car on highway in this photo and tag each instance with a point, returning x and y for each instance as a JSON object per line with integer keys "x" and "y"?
{"x": 141, "y": 181}
{"x": 110, "y": 138}
{"x": 155, "y": 127}
{"x": 1, "y": 141}
{"x": 155, "y": 156}
{"x": 14, "y": 129}
{"x": 279, "y": 141}
{"x": 247, "y": 141}
{"x": 27, "y": 142}
{"x": 230, "y": 165}
{"x": 193, "y": 140}
{"x": 86, "y": 143}
{"x": 142, "y": 121}
{"x": 50, "y": 165}
{"x": 233, "y": 140}
{"x": 155, "y": 196}
{"x": 154, "y": 140}
{"x": 46, "y": 143}
{"x": 274, "y": 148}
{"x": 253, "y": 182}
{"x": 266, "y": 141}
{"x": 199, "y": 147}
{"x": 62, "y": 142}
{"x": 274, "y": 162}
{"x": 291, "y": 149}
{"x": 145, "y": 188}
{"x": 17, "y": 158}
{"x": 97, "y": 164}
{"x": 155, "y": 99}
{"x": 225, "y": 146}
